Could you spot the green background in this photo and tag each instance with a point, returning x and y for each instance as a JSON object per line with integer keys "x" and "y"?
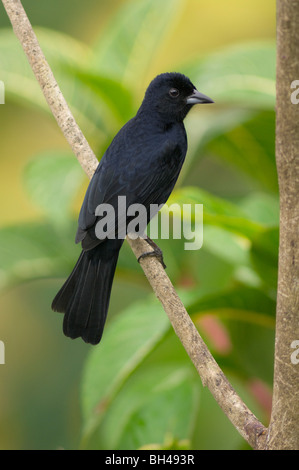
{"x": 137, "y": 389}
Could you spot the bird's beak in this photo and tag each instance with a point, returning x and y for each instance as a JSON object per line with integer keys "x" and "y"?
{"x": 198, "y": 98}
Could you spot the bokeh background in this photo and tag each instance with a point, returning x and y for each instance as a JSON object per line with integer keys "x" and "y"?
{"x": 137, "y": 389}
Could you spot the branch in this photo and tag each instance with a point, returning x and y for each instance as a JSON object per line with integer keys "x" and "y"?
{"x": 49, "y": 86}
{"x": 211, "y": 374}
{"x": 284, "y": 423}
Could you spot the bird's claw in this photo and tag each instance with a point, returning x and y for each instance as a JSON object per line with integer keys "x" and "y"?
{"x": 156, "y": 252}
{"x": 159, "y": 256}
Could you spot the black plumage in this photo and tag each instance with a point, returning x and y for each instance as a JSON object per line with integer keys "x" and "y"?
{"x": 142, "y": 163}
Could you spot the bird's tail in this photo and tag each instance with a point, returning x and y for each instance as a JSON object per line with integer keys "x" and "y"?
{"x": 84, "y": 297}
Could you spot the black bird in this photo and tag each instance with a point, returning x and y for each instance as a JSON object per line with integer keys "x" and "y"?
{"x": 142, "y": 163}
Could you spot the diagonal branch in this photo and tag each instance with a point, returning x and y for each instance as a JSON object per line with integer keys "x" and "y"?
{"x": 49, "y": 86}
{"x": 211, "y": 374}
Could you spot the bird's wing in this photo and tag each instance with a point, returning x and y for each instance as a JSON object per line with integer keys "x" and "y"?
{"x": 143, "y": 182}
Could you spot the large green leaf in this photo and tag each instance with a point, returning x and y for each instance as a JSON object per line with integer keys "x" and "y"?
{"x": 229, "y": 230}
{"x": 242, "y": 74}
{"x": 44, "y": 249}
{"x": 248, "y": 315}
{"x": 52, "y": 181}
{"x": 252, "y": 354}
{"x": 34, "y": 251}
{"x": 226, "y": 245}
{"x": 264, "y": 255}
{"x": 213, "y": 431}
{"x": 155, "y": 408}
{"x": 217, "y": 211}
{"x": 126, "y": 48}
{"x": 242, "y": 303}
{"x": 203, "y": 126}
{"x": 16, "y": 72}
{"x": 148, "y": 396}
{"x": 251, "y": 148}
{"x": 60, "y": 50}
{"x": 127, "y": 341}
{"x": 261, "y": 207}
{"x": 64, "y": 55}
{"x": 117, "y": 97}
{"x": 240, "y": 127}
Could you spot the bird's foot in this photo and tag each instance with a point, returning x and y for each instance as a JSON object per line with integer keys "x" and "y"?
{"x": 157, "y": 252}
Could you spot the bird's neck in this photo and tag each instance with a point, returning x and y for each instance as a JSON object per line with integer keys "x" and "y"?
{"x": 157, "y": 118}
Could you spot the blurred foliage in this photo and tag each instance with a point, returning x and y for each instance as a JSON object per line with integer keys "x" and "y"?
{"x": 138, "y": 388}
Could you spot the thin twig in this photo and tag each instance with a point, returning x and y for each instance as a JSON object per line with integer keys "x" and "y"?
{"x": 211, "y": 375}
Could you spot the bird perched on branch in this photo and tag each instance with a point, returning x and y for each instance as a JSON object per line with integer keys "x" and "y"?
{"x": 141, "y": 164}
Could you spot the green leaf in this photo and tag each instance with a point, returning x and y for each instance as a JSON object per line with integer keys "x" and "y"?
{"x": 117, "y": 97}
{"x": 213, "y": 431}
{"x": 242, "y": 302}
{"x": 242, "y": 78}
{"x": 226, "y": 245}
{"x": 202, "y": 128}
{"x": 35, "y": 251}
{"x": 264, "y": 255}
{"x": 217, "y": 211}
{"x": 60, "y": 50}
{"x": 125, "y": 49}
{"x": 155, "y": 408}
{"x": 52, "y": 181}
{"x": 242, "y": 74}
{"x": 127, "y": 341}
{"x": 248, "y": 315}
{"x": 261, "y": 207}
{"x": 253, "y": 347}
{"x": 64, "y": 54}
{"x": 251, "y": 148}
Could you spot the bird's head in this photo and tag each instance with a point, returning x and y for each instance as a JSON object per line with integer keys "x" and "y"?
{"x": 172, "y": 95}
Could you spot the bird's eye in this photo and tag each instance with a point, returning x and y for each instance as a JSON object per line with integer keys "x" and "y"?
{"x": 174, "y": 93}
